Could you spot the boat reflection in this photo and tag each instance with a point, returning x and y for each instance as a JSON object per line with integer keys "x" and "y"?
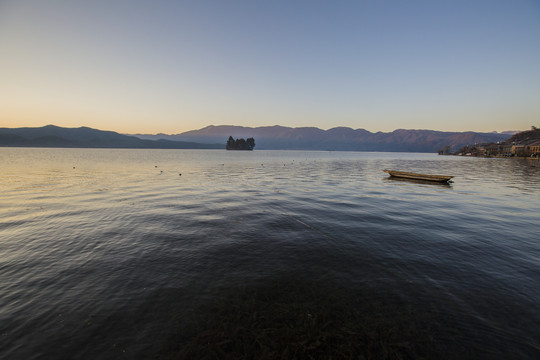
{"x": 416, "y": 181}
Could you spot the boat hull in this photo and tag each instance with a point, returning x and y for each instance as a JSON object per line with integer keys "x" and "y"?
{"x": 416, "y": 176}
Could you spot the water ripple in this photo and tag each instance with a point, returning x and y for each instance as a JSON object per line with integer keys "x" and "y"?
{"x": 121, "y": 257}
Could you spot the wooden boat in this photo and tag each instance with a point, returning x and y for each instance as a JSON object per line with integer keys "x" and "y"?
{"x": 415, "y": 176}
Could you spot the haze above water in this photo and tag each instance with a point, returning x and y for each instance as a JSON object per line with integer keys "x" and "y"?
{"x": 213, "y": 254}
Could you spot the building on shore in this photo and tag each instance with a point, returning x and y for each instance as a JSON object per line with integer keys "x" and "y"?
{"x": 522, "y": 144}
{"x": 534, "y": 149}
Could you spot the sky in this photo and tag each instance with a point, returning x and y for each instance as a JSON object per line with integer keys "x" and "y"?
{"x": 157, "y": 66}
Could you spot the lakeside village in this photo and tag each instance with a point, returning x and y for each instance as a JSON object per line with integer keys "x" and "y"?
{"x": 525, "y": 144}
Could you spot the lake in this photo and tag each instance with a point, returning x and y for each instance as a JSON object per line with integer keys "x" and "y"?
{"x": 211, "y": 254}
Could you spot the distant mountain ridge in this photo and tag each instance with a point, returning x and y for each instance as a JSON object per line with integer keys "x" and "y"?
{"x": 339, "y": 138}
{"x": 84, "y": 137}
{"x": 266, "y": 137}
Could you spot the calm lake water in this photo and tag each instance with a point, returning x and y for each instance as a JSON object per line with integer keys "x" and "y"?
{"x": 112, "y": 254}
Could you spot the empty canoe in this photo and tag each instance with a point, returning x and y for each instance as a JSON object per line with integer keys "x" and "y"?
{"x": 415, "y": 176}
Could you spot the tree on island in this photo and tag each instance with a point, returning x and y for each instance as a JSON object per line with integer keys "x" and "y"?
{"x": 240, "y": 144}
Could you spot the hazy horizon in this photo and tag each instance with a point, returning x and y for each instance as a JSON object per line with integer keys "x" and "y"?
{"x": 508, "y": 131}
{"x": 171, "y": 67}
{"x": 325, "y": 129}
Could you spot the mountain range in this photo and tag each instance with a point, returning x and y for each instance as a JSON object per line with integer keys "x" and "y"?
{"x": 267, "y": 137}
{"x": 84, "y": 137}
{"x": 339, "y": 138}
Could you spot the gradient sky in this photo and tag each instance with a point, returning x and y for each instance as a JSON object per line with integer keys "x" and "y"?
{"x": 142, "y": 66}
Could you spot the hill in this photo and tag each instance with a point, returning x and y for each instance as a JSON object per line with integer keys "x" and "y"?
{"x": 84, "y": 137}
{"x": 339, "y": 138}
{"x": 525, "y": 137}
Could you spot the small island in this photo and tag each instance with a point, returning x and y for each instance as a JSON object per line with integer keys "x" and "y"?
{"x": 240, "y": 144}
